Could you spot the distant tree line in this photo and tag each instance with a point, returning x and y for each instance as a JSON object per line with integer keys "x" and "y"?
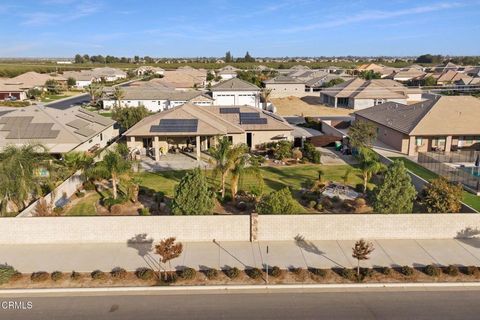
{"x": 437, "y": 59}
{"x": 111, "y": 59}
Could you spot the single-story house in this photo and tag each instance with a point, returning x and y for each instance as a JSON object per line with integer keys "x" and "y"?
{"x": 155, "y": 99}
{"x": 235, "y": 92}
{"x": 143, "y": 70}
{"x": 449, "y": 77}
{"x": 377, "y": 68}
{"x": 441, "y": 123}
{"x": 9, "y": 90}
{"x": 202, "y": 126}
{"x": 61, "y": 131}
{"x": 185, "y": 78}
{"x": 361, "y": 94}
{"x": 317, "y": 83}
{"x": 285, "y": 86}
{"x": 34, "y": 79}
{"x": 108, "y": 74}
{"x": 83, "y": 78}
{"x": 408, "y": 74}
{"x": 227, "y": 72}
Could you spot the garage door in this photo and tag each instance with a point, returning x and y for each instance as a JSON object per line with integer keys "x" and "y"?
{"x": 225, "y": 100}
{"x": 246, "y": 99}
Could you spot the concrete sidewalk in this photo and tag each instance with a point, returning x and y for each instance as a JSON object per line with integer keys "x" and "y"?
{"x": 285, "y": 254}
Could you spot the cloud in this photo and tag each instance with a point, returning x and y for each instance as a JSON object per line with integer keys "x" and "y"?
{"x": 372, "y": 15}
{"x": 71, "y": 13}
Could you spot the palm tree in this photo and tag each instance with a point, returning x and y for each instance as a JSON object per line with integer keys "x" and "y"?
{"x": 241, "y": 165}
{"x": 77, "y": 160}
{"x": 94, "y": 90}
{"x": 223, "y": 162}
{"x": 118, "y": 94}
{"x": 18, "y": 178}
{"x": 114, "y": 167}
{"x": 369, "y": 165}
{"x": 265, "y": 95}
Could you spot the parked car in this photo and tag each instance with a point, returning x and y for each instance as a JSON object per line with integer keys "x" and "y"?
{"x": 11, "y": 98}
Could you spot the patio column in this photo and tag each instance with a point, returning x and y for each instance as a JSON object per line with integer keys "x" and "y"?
{"x": 198, "y": 146}
{"x": 335, "y": 102}
{"x": 411, "y": 146}
{"x": 448, "y": 144}
{"x": 156, "y": 148}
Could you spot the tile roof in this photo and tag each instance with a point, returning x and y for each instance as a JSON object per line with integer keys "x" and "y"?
{"x": 235, "y": 84}
{"x": 368, "y": 89}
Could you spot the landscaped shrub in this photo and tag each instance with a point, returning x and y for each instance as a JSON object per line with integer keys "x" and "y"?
{"x": 118, "y": 273}
{"x": 144, "y": 211}
{"x": 110, "y": 202}
{"x": 311, "y": 204}
{"x": 159, "y": 197}
{"x": 386, "y": 271}
{"x": 407, "y": 271}
{"x": 275, "y": 272}
{"x": 145, "y": 274}
{"x": 336, "y": 199}
{"x": 359, "y": 188}
{"x": 327, "y": 203}
{"x": 211, "y": 273}
{"x": 16, "y": 276}
{"x": 241, "y": 205}
{"x": 39, "y": 276}
{"x": 98, "y": 275}
{"x": 88, "y": 185}
{"x": 359, "y": 203}
{"x": 254, "y": 273}
{"x": 232, "y": 273}
{"x": 278, "y": 202}
{"x": 6, "y": 273}
{"x": 188, "y": 273}
{"x": 319, "y": 207}
{"x": 452, "y": 270}
{"x": 432, "y": 271}
{"x": 75, "y": 276}
{"x": 319, "y": 272}
{"x": 349, "y": 274}
{"x": 366, "y": 272}
{"x": 472, "y": 271}
{"x": 56, "y": 276}
{"x": 297, "y": 271}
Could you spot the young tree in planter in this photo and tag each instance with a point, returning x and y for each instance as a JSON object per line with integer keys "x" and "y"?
{"x": 396, "y": 193}
{"x": 241, "y": 165}
{"x": 71, "y": 82}
{"x": 53, "y": 86}
{"x": 168, "y": 250}
{"x": 442, "y": 196}
{"x": 361, "y": 251}
{"x": 192, "y": 195}
{"x": 118, "y": 94}
{"x": 283, "y": 150}
{"x": 362, "y": 134}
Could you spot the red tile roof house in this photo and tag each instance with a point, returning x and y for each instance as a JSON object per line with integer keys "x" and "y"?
{"x": 442, "y": 123}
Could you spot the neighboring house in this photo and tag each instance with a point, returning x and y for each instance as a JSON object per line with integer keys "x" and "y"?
{"x": 34, "y": 79}
{"x": 227, "y": 72}
{"x": 235, "y": 92}
{"x": 441, "y": 68}
{"x": 82, "y": 78}
{"x": 60, "y": 130}
{"x": 468, "y": 81}
{"x": 317, "y": 83}
{"x": 202, "y": 126}
{"x": 404, "y": 75}
{"x": 442, "y": 123}
{"x": 146, "y": 70}
{"x": 361, "y": 94}
{"x": 285, "y": 86}
{"x": 108, "y": 74}
{"x": 155, "y": 99}
{"x": 473, "y": 71}
{"x": 10, "y": 90}
{"x": 377, "y": 68}
{"x": 185, "y": 78}
{"x": 449, "y": 77}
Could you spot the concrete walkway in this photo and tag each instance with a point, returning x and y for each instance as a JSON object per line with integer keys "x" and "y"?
{"x": 285, "y": 254}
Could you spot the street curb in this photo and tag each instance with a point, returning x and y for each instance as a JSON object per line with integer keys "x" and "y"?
{"x": 63, "y": 99}
{"x": 239, "y": 288}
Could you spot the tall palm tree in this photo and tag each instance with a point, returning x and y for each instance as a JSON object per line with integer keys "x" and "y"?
{"x": 114, "y": 167}
{"x": 19, "y": 180}
{"x": 118, "y": 94}
{"x": 241, "y": 165}
{"x": 95, "y": 91}
{"x": 221, "y": 157}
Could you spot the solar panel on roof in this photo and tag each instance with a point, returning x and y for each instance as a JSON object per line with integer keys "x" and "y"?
{"x": 34, "y": 131}
{"x": 249, "y": 115}
{"x": 254, "y": 121}
{"x": 229, "y": 110}
{"x": 86, "y": 132}
{"x": 77, "y": 124}
{"x": 176, "y": 125}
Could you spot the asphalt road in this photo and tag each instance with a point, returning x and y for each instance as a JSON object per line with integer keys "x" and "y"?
{"x": 325, "y": 305}
{"x": 73, "y": 101}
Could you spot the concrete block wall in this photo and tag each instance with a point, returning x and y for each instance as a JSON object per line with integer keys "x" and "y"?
{"x": 368, "y": 226}
{"x": 120, "y": 229}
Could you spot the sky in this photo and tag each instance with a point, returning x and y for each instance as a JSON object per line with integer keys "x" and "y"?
{"x": 209, "y": 28}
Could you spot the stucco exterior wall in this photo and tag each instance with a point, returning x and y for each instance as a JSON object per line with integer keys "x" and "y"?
{"x": 282, "y": 90}
{"x": 260, "y": 137}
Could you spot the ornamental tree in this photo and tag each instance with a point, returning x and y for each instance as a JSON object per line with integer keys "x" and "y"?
{"x": 192, "y": 195}
{"x": 442, "y": 196}
{"x": 396, "y": 193}
{"x": 278, "y": 202}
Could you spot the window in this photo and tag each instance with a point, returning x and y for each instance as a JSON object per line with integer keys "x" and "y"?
{"x": 101, "y": 136}
{"x": 418, "y": 141}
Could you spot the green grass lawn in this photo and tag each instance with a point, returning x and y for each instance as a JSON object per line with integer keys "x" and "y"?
{"x": 85, "y": 206}
{"x": 275, "y": 178}
{"x": 468, "y": 198}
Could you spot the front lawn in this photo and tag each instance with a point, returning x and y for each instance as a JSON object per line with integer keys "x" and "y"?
{"x": 468, "y": 198}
